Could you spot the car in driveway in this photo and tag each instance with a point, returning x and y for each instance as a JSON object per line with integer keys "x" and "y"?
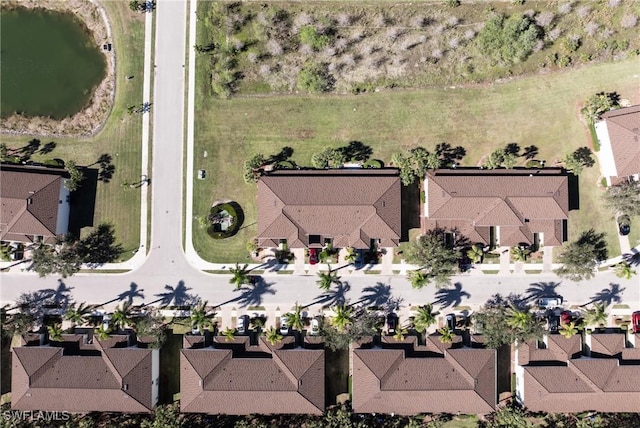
{"x": 314, "y": 328}
{"x": 392, "y": 323}
{"x": 284, "y": 325}
{"x": 624, "y": 225}
{"x": 635, "y": 321}
{"x": 313, "y": 256}
{"x": 359, "y": 260}
{"x": 566, "y": 317}
{"x": 451, "y": 321}
{"x": 553, "y": 322}
{"x": 242, "y": 325}
{"x": 550, "y": 302}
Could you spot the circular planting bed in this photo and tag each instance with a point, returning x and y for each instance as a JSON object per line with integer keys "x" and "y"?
{"x": 225, "y": 220}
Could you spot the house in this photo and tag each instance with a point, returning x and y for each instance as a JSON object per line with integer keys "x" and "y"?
{"x": 618, "y": 134}
{"x": 236, "y": 378}
{"x": 82, "y": 375}
{"x": 402, "y": 378}
{"x": 563, "y": 375}
{"x": 505, "y": 207}
{"x": 34, "y": 204}
{"x": 347, "y": 207}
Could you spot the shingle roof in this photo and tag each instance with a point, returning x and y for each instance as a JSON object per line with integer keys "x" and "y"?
{"x": 350, "y": 206}
{"x": 29, "y": 200}
{"x": 558, "y": 380}
{"x": 252, "y": 379}
{"x": 400, "y": 381}
{"x": 93, "y": 379}
{"x": 623, "y": 126}
{"x": 521, "y": 202}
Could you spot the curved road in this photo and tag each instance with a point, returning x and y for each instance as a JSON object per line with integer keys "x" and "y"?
{"x": 166, "y": 271}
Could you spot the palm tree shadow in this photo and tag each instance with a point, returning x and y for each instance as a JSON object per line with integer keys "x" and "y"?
{"x": 446, "y": 297}
{"x": 376, "y": 295}
{"x": 541, "y": 289}
{"x": 608, "y": 295}
{"x": 334, "y": 297}
{"x": 177, "y": 296}
{"x": 251, "y": 295}
{"x": 128, "y": 295}
{"x": 633, "y": 258}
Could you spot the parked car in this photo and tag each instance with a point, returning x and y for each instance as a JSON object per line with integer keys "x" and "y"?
{"x": 566, "y": 317}
{"x": 392, "y": 323}
{"x": 106, "y": 320}
{"x": 313, "y": 256}
{"x": 359, "y": 261}
{"x": 550, "y": 302}
{"x": 635, "y": 322}
{"x": 195, "y": 330}
{"x": 624, "y": 225}
{"x": 478, "y": 326}
{"x": 451, "y": 322}
{"x": 284, "y": 325}
{"x": 314, "y": 329}
{"x": 553, "y": 322}
{"x": 242, "y": 325}
{"x": 17, "y": 250}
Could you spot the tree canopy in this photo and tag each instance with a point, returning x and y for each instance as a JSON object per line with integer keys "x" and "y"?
{"x": 580, "y": 258}
{"x": 578, "y": 160}
{"x": 624, "y": 198}
{"x": 508, "y": 40}
{"x": 437, "y": 262}
{"x": 599, "y": 103}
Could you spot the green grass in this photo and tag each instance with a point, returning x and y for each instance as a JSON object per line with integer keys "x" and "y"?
{"x": 121, "y": 136}
{"x": 170, "y": 367}
{"x": 540, "y": 110}
{"x": 490, "y": 272}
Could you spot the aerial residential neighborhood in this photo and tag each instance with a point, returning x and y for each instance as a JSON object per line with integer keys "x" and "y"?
{"x": 320, "y": 214}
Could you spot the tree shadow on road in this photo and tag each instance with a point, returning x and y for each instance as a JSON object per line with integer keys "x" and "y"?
{"x": 380, "y": 296}
{"x": 446, "y": 297}
{"x": 251, "y": 295}
{"x": 541, "y": 289}
{"x": 175, "y": 296}
{"x": 335, "y": 296}
{"x": 127, "y": 295}
{"x": 607, "y": 295}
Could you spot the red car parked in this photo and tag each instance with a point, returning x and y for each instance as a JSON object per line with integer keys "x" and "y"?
{"x": 313, "y": 256}
{"x": 635, "y": 322}
{"x": 565, "y": 317}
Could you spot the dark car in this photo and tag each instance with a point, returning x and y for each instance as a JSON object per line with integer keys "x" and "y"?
{"x": 553, "y": 322}
{"x": 392, "y": 323}
{"x": 624, "y": 225}
{"x": 451, "y": 322}
{"x": 313, "y": 256}
{"x": 635, "y": 322}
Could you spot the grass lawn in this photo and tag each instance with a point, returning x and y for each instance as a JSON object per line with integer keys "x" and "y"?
{"x": 540, "y": 110}
{"x": 170, "y": 367}
{"x": 120, "y": 137}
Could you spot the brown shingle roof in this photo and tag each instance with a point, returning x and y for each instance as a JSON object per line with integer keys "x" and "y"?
{"x": 29, "y": 200}
{"x": 521, "y": 202}
{"x": 623, "y": 126}
{"x": 241, "y": 382}
{"x": 350, "y": 206}
{"x": 559, "y": 380}
{"x": 399, "y": 381}
{"x": 610, "y": 344}
{"x": 114, "y": 379}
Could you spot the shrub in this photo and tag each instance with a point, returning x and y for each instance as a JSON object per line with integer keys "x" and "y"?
{"x": 628, "y": 21}
{"x": 452, "y": 3}
{"x": 310, "y": 36}
{"x": 545, "y": 19}
{"x": 374, "y": 163}
{"x": 234, "y": 211}
{"x": 508, "y": 40}
{"x": 314, "y": 78}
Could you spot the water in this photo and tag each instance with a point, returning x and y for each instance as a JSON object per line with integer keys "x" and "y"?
{"x": 49, "y": 63}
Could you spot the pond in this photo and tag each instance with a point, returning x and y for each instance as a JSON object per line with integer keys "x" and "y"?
{"x": 50, "y": 63}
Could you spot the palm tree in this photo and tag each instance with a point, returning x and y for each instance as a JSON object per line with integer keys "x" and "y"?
{"x": 229, "y": 334}
{"x": 122, "y": 317}
{"x": 272, "y": 336}
{"x": 295, "y": 318}
{"x": 418, "y": 278}
{"x": 102, "y": 332}
{"x": 475, "y": 253}
{"x": 257, "y": 323}
{"x": 596, "y": 315}
{"x": 568, "y": 329}
{"x": 350, "y": 255}
{"x": 240, "y": 275}
{"x": 446, "y": 335}
{"x": 623, "y": 270}
{"x": 77, "y": 315}
{"x": 520, "y": 254}
{"x": 400, "y": 335}
{"x": 326, "y": 279}
{"x": 424, "y": 318}
{"x": 342, "y": 318}
{"x": 200, "y": 317}
{"x": 55, "y": 332}
{"x": 517, "y": 319}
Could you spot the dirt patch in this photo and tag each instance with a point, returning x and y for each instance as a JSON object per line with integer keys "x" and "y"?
{"x": 89, "y": 120}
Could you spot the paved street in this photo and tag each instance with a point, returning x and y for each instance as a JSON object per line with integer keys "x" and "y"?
{"x": 166, "y": 274}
